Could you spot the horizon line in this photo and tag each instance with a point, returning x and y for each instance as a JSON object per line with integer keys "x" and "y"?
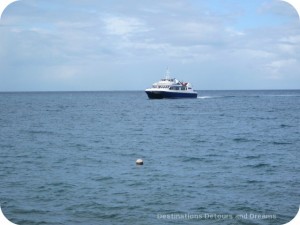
{"x": 44, "y": 91}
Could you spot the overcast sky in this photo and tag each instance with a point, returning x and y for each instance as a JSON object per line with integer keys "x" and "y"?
{"x": 76, "y": 45}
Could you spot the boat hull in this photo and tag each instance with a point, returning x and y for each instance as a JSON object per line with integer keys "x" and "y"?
{"x": 170, "y": 95}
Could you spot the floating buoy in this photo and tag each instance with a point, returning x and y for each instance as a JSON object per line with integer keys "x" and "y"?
{"x": 139, "y": 162}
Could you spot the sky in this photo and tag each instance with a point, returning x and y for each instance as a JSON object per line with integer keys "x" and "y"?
{"x": 93, "y": 45}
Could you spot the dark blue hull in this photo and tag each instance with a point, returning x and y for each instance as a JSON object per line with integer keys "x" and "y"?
{"x": 165, "y": 94}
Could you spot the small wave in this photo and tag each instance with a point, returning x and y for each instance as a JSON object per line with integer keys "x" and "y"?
{"x": 2, "y": 146}
{"x": 285, "y": 125}
{"x": 179, "y": 107}
{"x": 240, "y": 140}
{"x": 209, "y": 97}
{"x": 136, "y": 183}
{"x": 212, "y": 155}
{"x": 31, "y": 211}
{"x": 280, "y": 95}
{"x": 192, "y": 159}
{"x": 253, "y": 181}
{"x": 42, "y": 132}
{"x": 197, "y": 141}
{"x": 252, "y": 157}
{"x": 281, "y": 143}
{"x": 259, "y": 165}
{"x": 102, "y": 178}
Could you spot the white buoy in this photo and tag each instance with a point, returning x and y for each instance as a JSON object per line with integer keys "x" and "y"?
{"x": 139, "y": 162}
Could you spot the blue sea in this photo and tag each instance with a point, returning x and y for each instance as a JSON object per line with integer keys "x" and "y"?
{"x": 227, "y": 157}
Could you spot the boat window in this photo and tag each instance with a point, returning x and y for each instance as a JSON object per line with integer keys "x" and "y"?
{"x": 163, "y": 86}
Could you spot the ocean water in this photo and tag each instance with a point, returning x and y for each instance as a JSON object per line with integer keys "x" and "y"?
{"x": 228, "y": 157}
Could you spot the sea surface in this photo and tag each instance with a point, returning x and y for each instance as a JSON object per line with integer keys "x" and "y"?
{"x": 227, "y": 157}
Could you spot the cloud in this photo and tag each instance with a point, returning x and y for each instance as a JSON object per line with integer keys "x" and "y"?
{"x": 123, "y": 26}
{"x": 75, "y": 42}
{"x": 278, "y": 69}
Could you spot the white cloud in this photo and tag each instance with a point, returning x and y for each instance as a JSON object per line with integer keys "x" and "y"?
{"x": 124, "y": 26}
{"x": 287, "y": 48}
{"x": 292, "y": 39}
{"x": 74, "y": 40}
{"x": 281, "y": 68}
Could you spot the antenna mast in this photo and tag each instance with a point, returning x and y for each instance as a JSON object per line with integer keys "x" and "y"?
{"x": 168, "y": 74}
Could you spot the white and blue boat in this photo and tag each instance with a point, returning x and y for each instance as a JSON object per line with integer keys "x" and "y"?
{"x": 171, "y": 88}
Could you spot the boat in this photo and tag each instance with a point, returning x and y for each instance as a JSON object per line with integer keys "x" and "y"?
{"x": 170, "y": 88}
